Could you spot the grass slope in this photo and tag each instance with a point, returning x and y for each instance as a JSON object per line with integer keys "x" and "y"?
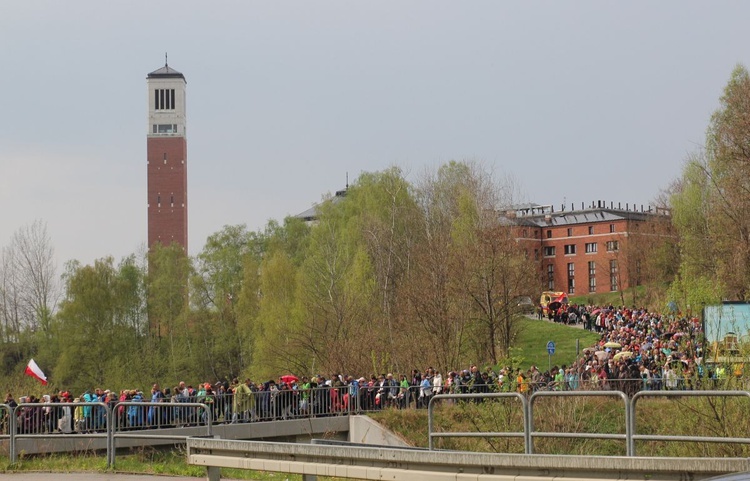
{"x": 531, "y": 343}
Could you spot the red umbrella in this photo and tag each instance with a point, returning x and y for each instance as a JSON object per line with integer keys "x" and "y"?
{"x": 289, "y": 378}
{"x": 595, "y": 312}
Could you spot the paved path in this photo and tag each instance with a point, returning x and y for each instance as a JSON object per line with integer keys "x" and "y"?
{"x": 90, "y": 477}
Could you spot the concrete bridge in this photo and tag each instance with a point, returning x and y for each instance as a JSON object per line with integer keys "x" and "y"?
{"x": 398, "y": 464}
{"x": 360, "y": 429}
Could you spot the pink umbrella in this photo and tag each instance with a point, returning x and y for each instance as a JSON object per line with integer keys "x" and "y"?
{"x": 288, "y": 378}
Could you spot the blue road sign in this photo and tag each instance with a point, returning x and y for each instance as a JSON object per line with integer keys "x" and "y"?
{"x": 550, "y": 347}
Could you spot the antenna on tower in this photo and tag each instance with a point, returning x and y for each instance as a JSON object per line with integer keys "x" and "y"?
{"x": 166, "y": 63}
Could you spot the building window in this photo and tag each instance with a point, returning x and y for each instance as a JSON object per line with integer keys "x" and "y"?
{"x": 551, "y": 277}
{"x": 571, "y": 278}
{"x": 536, "y": 254}
{"x": 524, "y": 233}
{"x": 570, "y": 231}
{"x": 591, "y": 230}
{"x": 613, "y": 284}
{"x": 591, "y": 247}
{"x": 164, "y": 99}
{"x": 549, "y": 251}
{"x": 166, "y": 129}
{"x": 613, "y": 246}
{"x": 549, "y": 234}
{"x": 570, "y": 249}
{"x": 592, "y": 268}
{"x": 592, "y": 284}
{"x": 611, "y": 227}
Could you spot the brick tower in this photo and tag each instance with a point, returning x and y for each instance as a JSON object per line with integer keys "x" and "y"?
{"x": 166, "y": 147}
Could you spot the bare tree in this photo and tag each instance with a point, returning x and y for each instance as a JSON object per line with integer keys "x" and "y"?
{"x": 30, "y": 288}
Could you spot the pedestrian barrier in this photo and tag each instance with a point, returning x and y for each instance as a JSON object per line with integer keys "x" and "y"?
{"x": 629, "y": 433}
{"x": 91, "y": 426}
{"x": 105, "y": 426}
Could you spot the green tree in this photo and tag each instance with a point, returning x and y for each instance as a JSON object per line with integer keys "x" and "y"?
{"x": 168, "y": 333}
{"x": 215, "y": 294}
{"x": 710, "y": 207}
{"x": 96, "y": 325}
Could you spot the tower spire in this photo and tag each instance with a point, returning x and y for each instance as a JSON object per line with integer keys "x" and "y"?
{"x": 166, "y": 63}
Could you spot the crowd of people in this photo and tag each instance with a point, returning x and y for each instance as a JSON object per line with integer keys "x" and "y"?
{"x": 637, "y": 350}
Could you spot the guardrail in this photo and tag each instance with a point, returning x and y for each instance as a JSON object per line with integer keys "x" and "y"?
{"x": 475, "y": 397}
{"x": 161, "y": 414}
{"x": 102, "y": 425}
{"x": 98, "y": 421}
{"x": 368, "y": 463}
{"x": 629, "y": 435}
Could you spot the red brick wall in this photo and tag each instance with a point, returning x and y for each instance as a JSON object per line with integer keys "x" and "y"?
{"x": 579, "y": 236}
{"x": 535, "y": 239}
{"x": 167, "y": 181}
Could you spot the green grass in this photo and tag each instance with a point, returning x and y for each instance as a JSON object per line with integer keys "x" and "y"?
{"x": 144, "y": 461}
{"x": 610, "y": 298}
{"x": 700, "y": 417}
{"x": 531, "y": 343}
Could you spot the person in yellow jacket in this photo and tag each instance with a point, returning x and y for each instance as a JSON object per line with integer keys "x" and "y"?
{"x": 78, "y": 416}
{"x": 243, "y": 402}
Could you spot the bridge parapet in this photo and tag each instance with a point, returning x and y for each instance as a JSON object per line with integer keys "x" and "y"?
{"x": 402, "y": 464}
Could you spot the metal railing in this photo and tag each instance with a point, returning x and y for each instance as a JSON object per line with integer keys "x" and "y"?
{"x": 127, "y": 418}
{"x": 477, "y": 397}
{"x": 133, "y": 419}
{"x": 630, "y": 405}
{"x": 676, "y": 438}
{"x": 537, "y": 434}
{"x": 98, "y": 421}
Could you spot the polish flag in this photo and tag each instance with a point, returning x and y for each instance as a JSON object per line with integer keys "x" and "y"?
{"x": 33, "y": 370}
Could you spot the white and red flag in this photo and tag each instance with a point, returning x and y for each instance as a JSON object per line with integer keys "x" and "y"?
{"x": 33, "y": 370}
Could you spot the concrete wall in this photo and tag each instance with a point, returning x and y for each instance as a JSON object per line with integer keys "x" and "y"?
{"x": 364, "y": 430}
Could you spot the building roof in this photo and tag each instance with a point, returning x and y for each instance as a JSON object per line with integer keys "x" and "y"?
{"x": 166, "y": 72}
{"x": 312, "y": 214}
{"x": 583, "y": 216}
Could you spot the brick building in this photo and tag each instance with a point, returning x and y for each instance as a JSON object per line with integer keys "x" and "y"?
{"x": 166, "y": 147}
{"x": 592, "y": 250}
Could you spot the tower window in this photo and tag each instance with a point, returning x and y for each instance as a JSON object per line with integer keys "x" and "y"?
{"x": 166, "y": 128}
{"x": 164, "y": 99}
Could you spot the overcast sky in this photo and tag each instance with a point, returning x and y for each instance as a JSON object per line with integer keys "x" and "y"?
{"x": 579, "y": 101}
